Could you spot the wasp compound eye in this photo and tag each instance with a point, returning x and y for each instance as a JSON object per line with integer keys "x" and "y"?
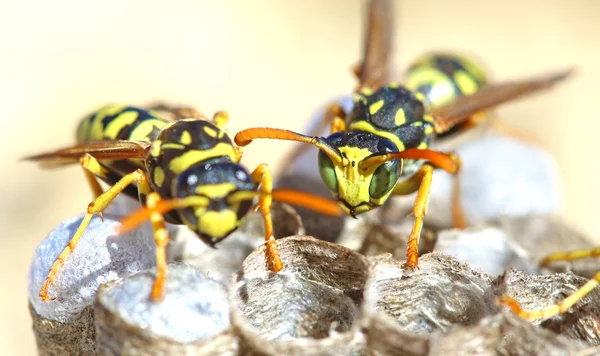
{"x": 327, "y": 172}
{"x": 384, "y": 179}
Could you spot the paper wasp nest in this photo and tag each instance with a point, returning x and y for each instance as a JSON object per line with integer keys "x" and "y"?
{"x": 332, "y": 299}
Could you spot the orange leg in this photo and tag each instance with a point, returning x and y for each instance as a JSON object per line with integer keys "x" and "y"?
{"x": 262, "y": 175}
{"x": 570, "y": 256}
{"x": 161, "y": 238}
{"x": 555, "y": 309}
{"x": 421, "y": 181}
{"x": 458, "y": 217}
{"x": 95, "y": 206}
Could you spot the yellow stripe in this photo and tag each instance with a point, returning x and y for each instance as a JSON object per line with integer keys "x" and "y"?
{"x": 173, "y": 146}
{"x": 145, "y": 128}
{"x": 210, "y": 131}
{"x": 465, "y": 82}
{"x": 118, "y": 123}
{"x": 365, "y": 126}
{"x": 191, "y": 157}
{"x": 97, "y": 130}
{"x": 155, "y": 149}
{"x": 215, "y": 191}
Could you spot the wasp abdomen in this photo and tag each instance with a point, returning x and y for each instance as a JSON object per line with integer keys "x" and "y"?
{"x": 441, "y": 78}
{"x": 120, "y": 122}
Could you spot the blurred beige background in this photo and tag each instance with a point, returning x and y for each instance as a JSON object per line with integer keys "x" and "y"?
{"x": 267, "y": 63}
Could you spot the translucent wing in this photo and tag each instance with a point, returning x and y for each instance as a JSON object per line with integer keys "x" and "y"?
{"x": 459, "y": 111}
{"x": 108, "y": 149}
{"x": 374, "y": 70}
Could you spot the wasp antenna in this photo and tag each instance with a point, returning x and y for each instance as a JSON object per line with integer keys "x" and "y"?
{"x": 448, "y": 162}
{"x": 310, "y": 201}
{"x": 244, "y": 137}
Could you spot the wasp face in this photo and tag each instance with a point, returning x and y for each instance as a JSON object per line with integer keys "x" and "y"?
{"x": 359, "y": 189}
{"x": 218, "y": 182}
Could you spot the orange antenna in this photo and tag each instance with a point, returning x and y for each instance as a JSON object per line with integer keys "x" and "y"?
{"x": 244, "y": 138}
{"x": 448, "y": 162}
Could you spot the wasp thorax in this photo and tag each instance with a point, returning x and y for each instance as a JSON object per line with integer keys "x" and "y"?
{"x": 389, "y": 107}
{"x": 228, "y": 190}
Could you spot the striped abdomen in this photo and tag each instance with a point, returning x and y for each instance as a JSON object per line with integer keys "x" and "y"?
{"x": 441, "y": 78}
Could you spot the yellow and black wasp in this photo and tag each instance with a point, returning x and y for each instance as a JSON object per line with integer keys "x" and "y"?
{"x": 381, "y": 147}
{"x": 187, "y": 171}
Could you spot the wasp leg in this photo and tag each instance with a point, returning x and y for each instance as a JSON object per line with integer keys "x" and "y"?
{"x": 262, "y": 176}
{"x": 220, "y": 119}
{"x": 95, "y": 206}
{"x": 421, "y": 182}
{"x": 336, "y": 115}
{"x": 458, "y": 217}
{"x": 92, "y": 170}
{"x": 161, "y": 238}
{"x": 555, "y": 309}
{"x": 570, "y": 256}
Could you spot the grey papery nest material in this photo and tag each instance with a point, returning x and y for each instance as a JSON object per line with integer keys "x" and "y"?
{"x": 332, "y": 299}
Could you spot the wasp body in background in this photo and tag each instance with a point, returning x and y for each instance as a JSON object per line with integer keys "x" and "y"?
{"x": 381, "y": 147}
{"x": 183, "y": 167}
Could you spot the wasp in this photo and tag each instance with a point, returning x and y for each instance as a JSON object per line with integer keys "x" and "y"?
{"x": 381, "y": 147}
{"x": 183, "y": 168}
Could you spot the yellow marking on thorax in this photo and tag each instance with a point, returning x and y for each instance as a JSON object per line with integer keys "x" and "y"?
{"x": 428, "y": 118}
{"x": 400, "y": 118}
{"x": 423, "y": 145}
{"x": 159, "y": 176}
{"x": 191, "y": 157}
{"x": 119, "y": 122}
{"x": 172, "y": 146}
{"x": 155, "y": 148}
{"x": 420, "y": 96}
{"x": 186, "y": 138}
{"x": 465, "y": 82}
{"x": 210, "y": 131}
{"x": 217, "y": 224}
{"x": 376, "y": 106}
{"x": 393, "y": 85}
{"x": 145, "y": 128}
{"x": 367, "y": 127}
{"x": 216, "y": 191}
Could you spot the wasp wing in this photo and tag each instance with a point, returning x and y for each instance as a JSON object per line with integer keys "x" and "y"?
{"x": 448, "y": 116}
{"x": 374, "y": 70}
{"x": 106, "y": 149}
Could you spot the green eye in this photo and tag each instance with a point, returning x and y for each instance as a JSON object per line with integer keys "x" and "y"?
{"x": 384, "y": 179}
{"x": 327, "y": 172}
